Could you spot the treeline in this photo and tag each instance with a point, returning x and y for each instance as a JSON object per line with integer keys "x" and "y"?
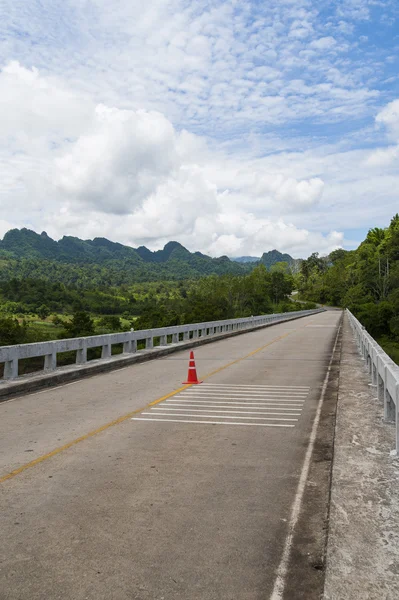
{"x": 365, "y": 280}
{"x": 102, "y": 263}
{"x": 113, "y": 273}
{"x": 226, "y": 297}
{"x": 157, "y": 304}
{"x": 33, "y": 296}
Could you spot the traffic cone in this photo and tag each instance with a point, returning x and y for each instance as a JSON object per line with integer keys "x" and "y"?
{"x": 192, "y": 371}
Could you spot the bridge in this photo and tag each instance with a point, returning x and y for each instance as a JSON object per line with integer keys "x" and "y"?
{"x": 119, "y": 482}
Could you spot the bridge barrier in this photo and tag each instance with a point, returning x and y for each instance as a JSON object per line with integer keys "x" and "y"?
{"x": 163, "y": 336}
{"x": 384, "y": 372}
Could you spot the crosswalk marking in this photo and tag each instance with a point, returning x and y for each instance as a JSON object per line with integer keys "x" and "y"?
{"x": 196, "y": 391}
{"x": 218, "y": 404}
{"x": 224, "y": 416}
{"x": 278, "y": 387}
{"x": 224, "y": 403}
{"x": 234, "y": 406}
{"x": 212, "y": 422}
{"x": 239, "y": 412}
{"x": 232, "y": 400}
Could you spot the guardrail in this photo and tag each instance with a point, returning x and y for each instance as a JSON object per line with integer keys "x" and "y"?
{"x": 10, "y": 355}
{"x": 383, "y": 370}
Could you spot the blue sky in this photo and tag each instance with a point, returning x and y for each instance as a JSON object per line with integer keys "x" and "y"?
{"x": 233, "y": 127}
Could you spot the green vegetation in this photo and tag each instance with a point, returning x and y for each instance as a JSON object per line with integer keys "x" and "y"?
{"x": 35, "y": 310}
{"x": 365, "y": 280}
{"x": 100, "y": 262}
{"x": 226, "y": 297}
{"x": 74, "y": 287}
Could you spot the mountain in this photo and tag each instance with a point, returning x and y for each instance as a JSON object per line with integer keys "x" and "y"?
{"x": 25, "y": 253}
{"x": 246, "y": 259}
{"x": 274, "y": 256}
{"x": 268, "y": 258}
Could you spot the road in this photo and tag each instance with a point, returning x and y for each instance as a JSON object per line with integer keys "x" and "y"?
{"x": 129, "y": 485}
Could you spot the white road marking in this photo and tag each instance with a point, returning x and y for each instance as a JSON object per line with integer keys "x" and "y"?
{"x": 234, "y": 405}
{"x": 242, "y": 398}
{"x": 279, "y": 387}
{"x": 260, "y": 387}
{"x": 282, "y": 571}
{"x": 213, "y": 422}
{"x": 221, "y": 416}
{"x": 276, "y": 404}
{"x": 238, "y": 401}
{"x": 238, "y": 412}
{"x": 191, "y": 392}
{"x": 46, "y": 391}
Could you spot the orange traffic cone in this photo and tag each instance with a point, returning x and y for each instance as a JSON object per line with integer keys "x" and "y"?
{"x": 192, "y": 371}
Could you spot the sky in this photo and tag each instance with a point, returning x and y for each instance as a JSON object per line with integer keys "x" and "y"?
{"x": 233, "y": 127}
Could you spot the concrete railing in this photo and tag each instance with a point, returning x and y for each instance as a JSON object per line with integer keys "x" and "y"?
{"x": 10, "y": 355}
{"x": 383, "y": 370}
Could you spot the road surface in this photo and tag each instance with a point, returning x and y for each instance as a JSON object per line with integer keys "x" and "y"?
{"x": 128, "y": 485}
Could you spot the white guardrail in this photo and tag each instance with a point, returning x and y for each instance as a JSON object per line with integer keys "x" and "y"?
{"x": 383, "y": 370}
{"x": 10, "y": 355}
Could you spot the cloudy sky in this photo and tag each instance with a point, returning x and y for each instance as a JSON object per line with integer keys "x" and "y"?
{"x": 232, "y": 126}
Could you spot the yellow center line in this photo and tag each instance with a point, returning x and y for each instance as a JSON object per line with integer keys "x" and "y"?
{"x": 86, "y": 436}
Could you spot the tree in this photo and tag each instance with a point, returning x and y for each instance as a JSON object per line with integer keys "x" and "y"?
{"x": 280, "y": 286}
{"x": 111, "y": 322}
{"x": 43, "y": 311}
{"x": 11, "y": 332}
{"x": 81, "y": 325}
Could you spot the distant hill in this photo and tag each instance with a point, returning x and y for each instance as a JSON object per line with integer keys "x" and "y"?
{"x": 274, "y": 256}
{"x": 246, "y": 259}
{"x": 25, "y": 253}
{"x": 268, "y": 258}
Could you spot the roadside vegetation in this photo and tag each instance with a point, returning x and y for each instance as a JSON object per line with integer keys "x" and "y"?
{"x": 35, "y": 310}
{"x": 365, "y": 280}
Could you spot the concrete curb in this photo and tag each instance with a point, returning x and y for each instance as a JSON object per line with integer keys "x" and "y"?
{"x": 363, "y": 539}
{"x": 33, "y": 382}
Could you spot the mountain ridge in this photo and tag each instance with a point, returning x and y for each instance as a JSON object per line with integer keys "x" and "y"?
{"x": 24, "y": 251}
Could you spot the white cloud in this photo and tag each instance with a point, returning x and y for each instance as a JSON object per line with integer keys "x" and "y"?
{"x": 389, "y": 117}
{"x": 119, "y": 162}
{"x": 232, "y": 126}
{"x": 324, "y": 43}
{"x": 130, "y": 173}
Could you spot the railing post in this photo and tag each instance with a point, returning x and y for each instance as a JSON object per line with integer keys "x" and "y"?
{"x": 106, "y": 350}
{"x": 11, "y": 368}
{"x": 149, "y": 342}
{"x": 186, "y": 335}
{"x": 203, "y": 332}
{"x": 163, "y": 340}
{"x": 175, "y": 338}
{"x": 81, "y": 354}
{"x": 50, "y": 360}
{"x": 133, "y": 341}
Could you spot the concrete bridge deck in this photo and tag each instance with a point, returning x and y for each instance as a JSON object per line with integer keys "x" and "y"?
{"x": 129, "y": 485}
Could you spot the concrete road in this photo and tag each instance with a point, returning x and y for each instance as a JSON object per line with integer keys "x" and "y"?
{"x": 129, "y": 485}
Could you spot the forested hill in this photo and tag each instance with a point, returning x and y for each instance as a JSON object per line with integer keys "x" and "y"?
{"x": 365, "y": 280}
{"x": 268, "y": 258}
{"x": 24, "y": 253}
{"x": 274, "y": 256}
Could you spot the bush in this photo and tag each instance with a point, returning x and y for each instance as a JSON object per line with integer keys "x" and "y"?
{"x": 81, "y": 325}
{"x": 43, "y": 311}
{"x": 11, "y": 332}
{"x": 110, "y": 322}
